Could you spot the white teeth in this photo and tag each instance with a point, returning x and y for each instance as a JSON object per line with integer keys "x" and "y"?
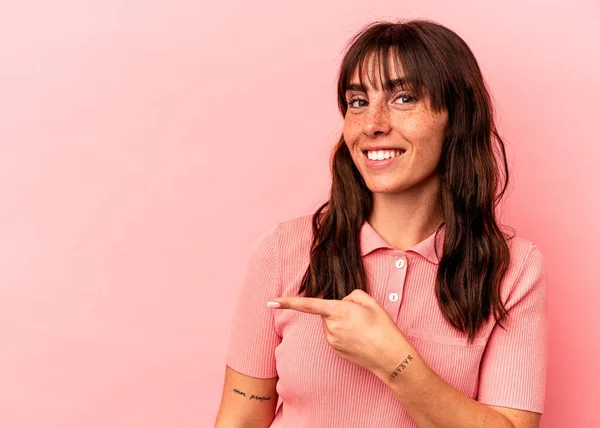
{"x": 381, "y": 155}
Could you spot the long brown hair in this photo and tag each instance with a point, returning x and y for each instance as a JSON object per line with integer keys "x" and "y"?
{"x": 475, "y": 254}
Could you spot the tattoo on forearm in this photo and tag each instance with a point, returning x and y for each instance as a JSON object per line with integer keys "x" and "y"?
{"x": 401, "y": 367}
{"x": 253, "y": 397}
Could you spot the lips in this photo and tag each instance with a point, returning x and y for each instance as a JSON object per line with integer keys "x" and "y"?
{"x": 400, "y": 151}
{"x": 392, "y": 157}
{"x": 382, "y": 165}
{"x": 384, "y": 149}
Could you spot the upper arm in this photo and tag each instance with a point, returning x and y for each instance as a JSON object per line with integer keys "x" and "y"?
{"x": 513, "y": 367}
{"x": 247, "y": 401}
{"x": 520, "y": 418}
{"x": 253, "y": 336}
{"x": 249, "y": 395}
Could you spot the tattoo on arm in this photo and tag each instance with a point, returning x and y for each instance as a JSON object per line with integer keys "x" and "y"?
{"x": 401, "y": 367}
{"x": 253, "y": 397}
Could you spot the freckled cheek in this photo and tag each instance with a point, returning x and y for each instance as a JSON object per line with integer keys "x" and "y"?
{"x": 422, "y": 132}
{"x": 415, "y": 129}
{"x": 350, "y": 133}
{"x": 427, "y": 153}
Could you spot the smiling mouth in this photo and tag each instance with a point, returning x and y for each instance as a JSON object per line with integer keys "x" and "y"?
{"x": 375, "y": 158}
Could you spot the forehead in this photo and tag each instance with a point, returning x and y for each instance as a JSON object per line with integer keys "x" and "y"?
{"x": 374, "y": 71}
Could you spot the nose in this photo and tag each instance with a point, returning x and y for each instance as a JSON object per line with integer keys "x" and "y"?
{"x": 377, "y": 119}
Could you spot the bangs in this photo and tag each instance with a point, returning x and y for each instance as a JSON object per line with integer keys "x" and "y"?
{"x": 399, "y": 53}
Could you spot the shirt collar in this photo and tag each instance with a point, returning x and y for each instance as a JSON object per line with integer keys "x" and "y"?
{"x": 370, "y": 240}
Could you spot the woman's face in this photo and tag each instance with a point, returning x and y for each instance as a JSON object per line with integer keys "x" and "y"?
{"x": 395, "y": 119}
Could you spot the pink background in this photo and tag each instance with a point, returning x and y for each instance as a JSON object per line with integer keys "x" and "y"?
{"x": 145, "y": 145}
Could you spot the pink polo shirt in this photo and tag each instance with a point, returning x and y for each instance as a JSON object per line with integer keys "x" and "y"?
{"x": 318, "y": 388}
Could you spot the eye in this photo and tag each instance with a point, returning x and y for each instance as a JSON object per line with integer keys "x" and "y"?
{"x": 406, "y": 96}
{"x": 353, "y": 100}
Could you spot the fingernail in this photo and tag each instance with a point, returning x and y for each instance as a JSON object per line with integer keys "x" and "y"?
{"x": 273, "y": 305}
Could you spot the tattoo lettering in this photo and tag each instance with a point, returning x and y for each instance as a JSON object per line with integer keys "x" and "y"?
{"x": 259, "y": 398}
{"x": 401, "y": 366}
{"x": 253, "y": 397}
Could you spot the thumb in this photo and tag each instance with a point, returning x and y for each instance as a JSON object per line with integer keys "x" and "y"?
{"x": 360, "y": 297}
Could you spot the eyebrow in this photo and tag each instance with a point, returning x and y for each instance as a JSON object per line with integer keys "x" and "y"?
{"x": 390, "y": 85}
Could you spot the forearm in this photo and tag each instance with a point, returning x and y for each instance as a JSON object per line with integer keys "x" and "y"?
{"x": 429, "y": 399}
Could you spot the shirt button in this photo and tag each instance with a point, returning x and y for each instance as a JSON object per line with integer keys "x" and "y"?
{"x": 400, "y": 263}
{"x": 393, "y": 297}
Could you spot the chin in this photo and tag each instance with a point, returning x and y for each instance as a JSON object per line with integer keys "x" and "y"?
{"x": 396, "y": 188}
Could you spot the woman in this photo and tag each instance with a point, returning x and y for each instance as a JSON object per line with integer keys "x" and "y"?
{"x": 400, "y": 302}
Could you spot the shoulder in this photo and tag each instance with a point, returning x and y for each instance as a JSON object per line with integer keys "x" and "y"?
{"x": 288, "y": 238}
{"x": 526, "y": 268}
{"x": 284, "y": 231}
{"x": 299, "y": 225}
{"x": 288, "y": 247}
{"x": 524, "y": 253}
{"x": 295, "y": 236}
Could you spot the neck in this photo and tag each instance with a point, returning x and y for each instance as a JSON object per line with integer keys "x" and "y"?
{"x": 404, "y": 219}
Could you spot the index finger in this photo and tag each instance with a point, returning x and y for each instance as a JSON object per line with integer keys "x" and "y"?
{"x": 311, "y": 305}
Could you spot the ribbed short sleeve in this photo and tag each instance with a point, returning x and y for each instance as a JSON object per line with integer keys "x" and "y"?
{"x": 514, "y": 364}
{"x": 253, "y": 339}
